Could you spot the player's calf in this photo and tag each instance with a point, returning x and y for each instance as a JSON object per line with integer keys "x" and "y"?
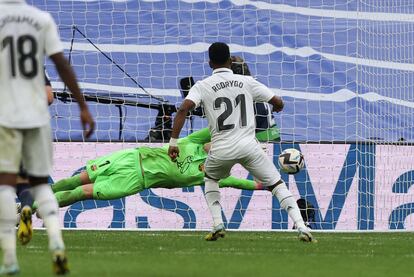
{"x": 8, "y": 229}
{"x": 212, "y": 195}
{"x": 287, "y": 202}
{"x": 48, "y": 210}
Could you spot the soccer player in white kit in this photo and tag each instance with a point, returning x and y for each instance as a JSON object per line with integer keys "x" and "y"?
{"x": 227, "y": 99}
{"x": 26, "y": 35}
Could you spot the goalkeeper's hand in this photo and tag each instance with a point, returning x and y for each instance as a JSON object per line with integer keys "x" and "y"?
{"x": 87, "y": 123}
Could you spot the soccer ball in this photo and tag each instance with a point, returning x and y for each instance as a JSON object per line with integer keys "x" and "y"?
{"x": 291, "y": 161}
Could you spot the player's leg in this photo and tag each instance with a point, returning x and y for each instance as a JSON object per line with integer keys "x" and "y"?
{"x": 124, "y": 179}
{"x": 37, "y": 157}
{"x": 288, "y": 203}
{"x": 94, "y": 169}
{"x": 69, "y": 197}
{"x": 7, "y": 224}
{"x": 106, "y": 178}
{"x": 10, "y": 156}
{"x": 23, "y": 189}
{"x": 214, "y": 171}
{"x": 24, "y": 210}
{"x": 71, "y": 190}
{"x": 260, "y": 166}
{"x": 212, "y": 196}
{"x": 72, "y": 182}
{"x": 49, "y": 212}
{"x": 120, "y": 175}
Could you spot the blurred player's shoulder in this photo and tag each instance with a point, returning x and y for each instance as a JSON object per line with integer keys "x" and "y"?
{"x": 28, "y": 15}
{"x": 27, "y": 34}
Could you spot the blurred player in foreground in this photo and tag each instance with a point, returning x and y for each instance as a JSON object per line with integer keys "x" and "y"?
{"x": 127, "y": 172}
{"x": 23, "y": 189}
{"x": 26, "y": 35}
{"x": 227, "y": 99}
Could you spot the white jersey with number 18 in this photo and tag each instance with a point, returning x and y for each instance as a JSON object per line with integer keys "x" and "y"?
{"x": 227, "y": 99}
{"x": 26, "y": 35}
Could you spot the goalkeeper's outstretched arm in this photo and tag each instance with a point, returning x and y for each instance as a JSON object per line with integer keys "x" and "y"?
{"x": 233, "y": 182}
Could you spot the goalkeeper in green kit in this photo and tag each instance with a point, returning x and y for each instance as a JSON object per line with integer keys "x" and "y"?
{"x": 130, "y": 171}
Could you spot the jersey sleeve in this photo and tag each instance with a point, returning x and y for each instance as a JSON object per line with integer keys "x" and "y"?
{"x": 233, "y": 182}
{"x": 195, "y": 95}
{"x": 260, "y": 92}
{"x": 201, "y": 136}
{"x": 53, "y": 44}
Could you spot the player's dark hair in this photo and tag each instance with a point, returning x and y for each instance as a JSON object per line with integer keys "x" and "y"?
{"x": 219, "y": 53}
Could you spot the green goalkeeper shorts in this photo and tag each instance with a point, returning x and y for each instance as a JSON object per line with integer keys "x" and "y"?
{"x": 116, "y": 175}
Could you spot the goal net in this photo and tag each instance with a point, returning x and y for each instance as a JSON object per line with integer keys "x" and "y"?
{"x": 345, "y": 70}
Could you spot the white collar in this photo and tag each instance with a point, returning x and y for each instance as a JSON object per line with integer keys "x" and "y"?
{"x": 222, "y": 70}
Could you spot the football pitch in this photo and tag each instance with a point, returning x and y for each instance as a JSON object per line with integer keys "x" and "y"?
{"x": 256, "y": 254}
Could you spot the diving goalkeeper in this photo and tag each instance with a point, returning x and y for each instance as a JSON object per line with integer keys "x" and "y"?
{"x": 127, "y": 172}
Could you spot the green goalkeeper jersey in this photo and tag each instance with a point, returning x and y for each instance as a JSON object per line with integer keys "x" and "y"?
{"x": 187, "y": 170}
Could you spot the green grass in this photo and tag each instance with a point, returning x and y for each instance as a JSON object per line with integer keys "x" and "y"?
{"x": 116, "y": 253}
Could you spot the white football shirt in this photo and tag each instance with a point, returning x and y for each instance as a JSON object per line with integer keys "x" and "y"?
{"x": 227, "y": 99}
{"x": 26, "y": 35}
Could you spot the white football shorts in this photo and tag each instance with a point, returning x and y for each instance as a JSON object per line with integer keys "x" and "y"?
{"x": 33, "y": 147}
{"x": 256, "y": 162}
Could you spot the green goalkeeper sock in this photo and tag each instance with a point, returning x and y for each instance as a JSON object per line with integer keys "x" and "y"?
{"x": 67, "y": 184}
{"x": 66, "y": 198}
{"x": 233, "y": 182}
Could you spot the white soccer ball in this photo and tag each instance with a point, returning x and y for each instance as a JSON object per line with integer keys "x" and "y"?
{"x": 291, "y": 161}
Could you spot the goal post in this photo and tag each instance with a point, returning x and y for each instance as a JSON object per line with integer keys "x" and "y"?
{"x": 345, "y": 70}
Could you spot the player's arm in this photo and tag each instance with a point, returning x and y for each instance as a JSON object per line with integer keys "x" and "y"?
{"x": 261, "y": 93}
{"x": 49, "y": 94}
{"x": 179, "y": 120}
{"x": 233, "y": 182}
{"x": 192, "y": 100}
{"x": 68, "y": 77}
{"x": 49, "y": 90}
{"x": 277, "y": 103}
{"x": 54, "y": 50}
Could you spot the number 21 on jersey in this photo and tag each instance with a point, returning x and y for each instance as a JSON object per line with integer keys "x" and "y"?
{"x": 240, "y": 101}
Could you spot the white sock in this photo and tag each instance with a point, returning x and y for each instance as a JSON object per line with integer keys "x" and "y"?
{"x": 212, "y": 195}
{"x": 7, "y": 224}
{"x": 288, "y": 203}
{"x": 49, "y": 211}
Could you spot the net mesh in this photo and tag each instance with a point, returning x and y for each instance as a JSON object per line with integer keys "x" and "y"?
{"x": 343, "y": 68}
